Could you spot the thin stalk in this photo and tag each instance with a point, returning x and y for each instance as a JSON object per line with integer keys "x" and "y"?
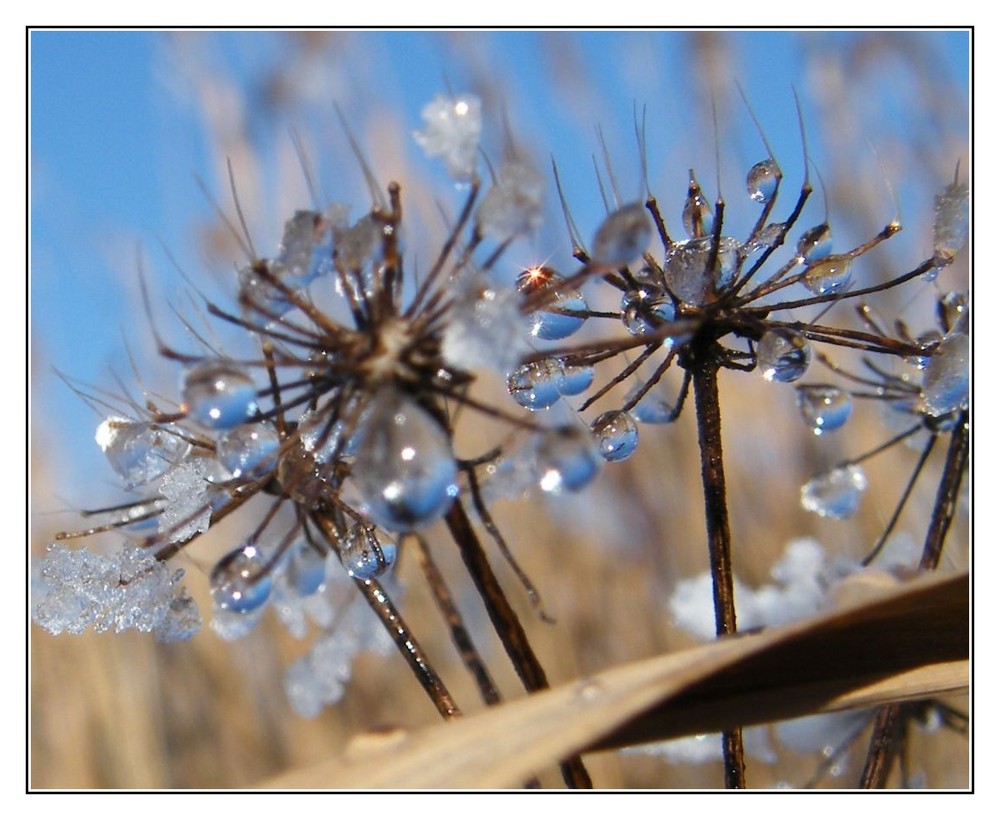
{"x": 383, "y": 606}
{"x": 888, "y": 734}
{"x": 705, "y": 375}
{"x": 506, "y": 623}
{"x": 459, "y": 634}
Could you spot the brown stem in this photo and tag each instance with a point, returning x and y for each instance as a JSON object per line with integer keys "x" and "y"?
{"x": 394, "y": 624}
{"x": 888, "y": 734}
{"x": 459, "y": 634}
{"x": 705, "y": 371}
{"x": 506, "y": 623}
{"x": 882, "y": 748}
{"x": 408, "y": 646}
{"x": 947, "y": 494}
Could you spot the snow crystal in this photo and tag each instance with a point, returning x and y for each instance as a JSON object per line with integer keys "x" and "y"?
{"x": 453, "y": 126}
{"x": 73, "y": 589}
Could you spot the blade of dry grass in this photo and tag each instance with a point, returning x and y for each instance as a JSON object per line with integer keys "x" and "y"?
{"x": 910, "y": 643}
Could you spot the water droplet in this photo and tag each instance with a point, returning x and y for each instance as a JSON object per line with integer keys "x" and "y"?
{"x": 238, "y": 581}
{"x": 566, "y": 460}
{"x": 305, "y": 569}
{"x": 951, "y": 223}
{"x": 815, "y": 243}
{"x": 623, "y": 237}
{"x": 364, "y": 555}
{"x": 686, "y": 268}
{"x": 249, "y": 450}
{"x": 405, "y": 472}
{"x": 782, "y": 356}
{"x": 697, "y": 214}
{"x": 140, "y": 451}
{"x": 536, "y": 385}
{"x": 560, "y": 317}
{"x": 219, "y": 394}
{"x": 762, "y": 181}
{"x": 301, "y": 477}
{"x": 651, "y": 409}
{"x": 946, "y": 377}
{"x": 824, "y": 407}
{"x": 829, "y": 275}
{"x": 645, "y": 309}
{"x": 835, "y": 494}
{"x": 575, "y": 378}
{"x": 617, "y": 435}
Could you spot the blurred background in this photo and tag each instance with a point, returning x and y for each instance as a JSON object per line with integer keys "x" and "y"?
{"x": 127, "y": 128}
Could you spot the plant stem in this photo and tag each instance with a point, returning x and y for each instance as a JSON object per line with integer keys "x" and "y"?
{"x": 506, "y": 624}
{"x": 408, "y": 646}
{"x": 888, "y": 735}
{"x": 705, "y": 375}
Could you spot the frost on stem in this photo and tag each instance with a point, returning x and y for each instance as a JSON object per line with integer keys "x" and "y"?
{"x": 75, "y": 588}
{"x": 453, "y": 126}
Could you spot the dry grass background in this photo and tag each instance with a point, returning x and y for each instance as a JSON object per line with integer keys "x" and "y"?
{"x": 122, "y": 712}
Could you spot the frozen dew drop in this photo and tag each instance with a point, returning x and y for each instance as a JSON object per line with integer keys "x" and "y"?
{"x": 537, "y": 385}
{"x": 762, "y": 181}
{"x": 766, "y": 237}
{"x": 830, "y": 275}
{"x": 249, "y": 450}
{"x": 239, "y": 582}
{"x": 645, "y": 309}
{"x": 358, "y": 245}
{"x": 363, "y": 555}
{"x": 697, "y": 214}
{"x": 513, "y": 206}
{"x": 951, "y": 223}
{"x": 306, "y": 251}
{"x": 617, "y": 435}
{"x": 925, "y": 341}
{"x": 140, "y": 451}
{"x": 258, "y": 293}
{"x": 946, "y": 377}
{"x": 824, "y": 407}
{"x": 452, "y": 125}
{"x": 951, "y": 306}
{"x": 686, "y": 269}
{"x": 815, "y": 244}
{"x": 782, "y": 356}
{"x": 219, "y": 394}
{"x": 575, "y": 378}
{"x": 835, "y": 494}
{"x": 623, "y": 237}
{"x": 566, "y": 460}
{"x": 485, "y": 328}
{"x": 561, "y": 315}
{"x": 404, "y": 471}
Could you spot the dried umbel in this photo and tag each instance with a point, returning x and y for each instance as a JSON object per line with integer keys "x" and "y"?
{"x": 344, "y": 429}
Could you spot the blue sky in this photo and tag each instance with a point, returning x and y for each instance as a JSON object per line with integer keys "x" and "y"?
{"x": 119, "y": 135}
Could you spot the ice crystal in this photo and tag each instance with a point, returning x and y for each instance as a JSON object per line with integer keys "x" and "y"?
{"x": 453, "y": 126}
{"x": 73, "y": 589}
